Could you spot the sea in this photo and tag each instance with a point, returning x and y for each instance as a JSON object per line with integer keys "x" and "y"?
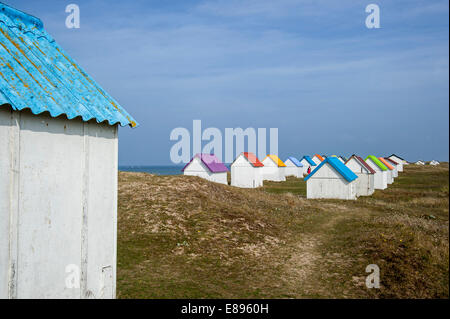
{"x": 157, "y": 170}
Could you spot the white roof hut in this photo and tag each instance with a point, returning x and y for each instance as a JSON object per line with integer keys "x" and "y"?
{"x": 58, "y": 168}
{"x": 273, "y": 169}
{"x": 246, "y": 171}
{"x": 365, "y": 184}
{"x": 400, "y": 162}
{"x": 380, "y": 171}
{"x": 398, "y": 159}
{"x": 331, "y": 179}
{"x": 434, "y": 163}
{"x": 207, "y": 166}
{"x": 419, "y": 162}
{"x": 293, "y": 167}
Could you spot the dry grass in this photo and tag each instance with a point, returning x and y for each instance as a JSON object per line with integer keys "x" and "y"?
{"x": 183, "y": 237}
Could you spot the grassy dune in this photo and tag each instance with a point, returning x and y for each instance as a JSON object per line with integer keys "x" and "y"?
{"x": 183, "y": 237}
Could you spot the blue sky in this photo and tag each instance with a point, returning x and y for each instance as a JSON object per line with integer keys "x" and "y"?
{"x": 310, "y": 68}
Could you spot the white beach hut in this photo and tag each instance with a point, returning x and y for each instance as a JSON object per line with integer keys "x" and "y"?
{"x": 273, "y": 169}
{"x": 394, "y": 164}
{"x": 246, "y": 171}
{"x": 400, "y": 162}
{"x": 58, "y": 169}
{"x": 380, "y": 172}
{"x": 331, "y": 179}
{"x": 390, "y": 171}
{"x": 365, "y": 184}
{"x": 207, "y": 166}
{"x": 420, "y": 162}
{"x": 293, "y": 167}
{"x": 434, "y": 163}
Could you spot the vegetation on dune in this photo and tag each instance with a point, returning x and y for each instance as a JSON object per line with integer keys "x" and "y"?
{"x": 184, "y": 237}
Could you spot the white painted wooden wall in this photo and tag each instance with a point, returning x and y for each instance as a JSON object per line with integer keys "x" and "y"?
{"x": 365, "y": 182}
{"x": 271, "y": 171}
{"x": 328, "y": 183}
{"x": 380, "y": 175}
{"x": 58, "y": 206}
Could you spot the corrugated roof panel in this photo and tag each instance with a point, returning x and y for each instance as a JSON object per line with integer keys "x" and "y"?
{"x": 36, "y": 73}
{"x": 377, "y": 162}
{"x": 386, "y": 163}
{"x": 309, "y": 160}
{"x": 295, "y": 161}
{"x": 211, "y": 162}
{"x": 253, "y": 159}
{"x": 276, "y": 159}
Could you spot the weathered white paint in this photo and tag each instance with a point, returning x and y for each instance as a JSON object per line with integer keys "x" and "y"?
{"x": 244, "y": 174}
{"x": 380, "y": 181}
{"x": 328, "y": 183}
{"x": 395, "y": 170}
{"x": 390, "y": 176}
{"x": 292, "y": 170}
{"x": 272, "y": 172}
{"x": 365, "y": 183}
{"x": 197, "y": 168}
{"x": 58, "y": 206}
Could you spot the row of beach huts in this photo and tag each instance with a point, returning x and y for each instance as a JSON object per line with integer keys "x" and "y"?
{"x": 326, "y": 176}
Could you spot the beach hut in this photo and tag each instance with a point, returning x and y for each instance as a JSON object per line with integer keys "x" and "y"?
{"x": 331, "y": 179}
{"x": 380, "y": 171}
{"x": 207, "y": 166}
{"x": 246, "y": 171}
{"x": 317, "y": 158}
{"x": 434, "y": 163}
{"x": 293, "y": 167}
{"x": 273, "y": 169}
{"x": 307, "y": 163}
{"x": 390, "y": 171}
{"x": 398, "y": 160}
{"x": 394, "y": 164}
{"x": 58, "y": 169}
{"x": 365, "y": 184}
{"x": 420, "y": 162}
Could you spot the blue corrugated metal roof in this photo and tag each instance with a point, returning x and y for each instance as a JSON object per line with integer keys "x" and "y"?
{"x": 309, "y": 160}
{"x": 295, "y": 161}
{"x": 36, "y": 73}
{"x": 338, "y": 166}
